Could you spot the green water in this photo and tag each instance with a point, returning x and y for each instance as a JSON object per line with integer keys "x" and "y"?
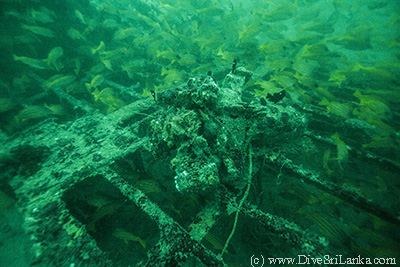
{"x": 338, "y": 62}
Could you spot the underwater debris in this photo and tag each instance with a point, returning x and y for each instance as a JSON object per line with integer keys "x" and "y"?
{"x": 276, "y": 97}
{"x": 202, "y": 130}
{"x": 234, "y": 66}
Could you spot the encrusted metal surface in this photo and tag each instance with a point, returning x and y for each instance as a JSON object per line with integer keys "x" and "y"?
{"x": 147, "y": 184}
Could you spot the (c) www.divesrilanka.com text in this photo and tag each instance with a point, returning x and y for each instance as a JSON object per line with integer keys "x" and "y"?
{"x": 325, "y": 260}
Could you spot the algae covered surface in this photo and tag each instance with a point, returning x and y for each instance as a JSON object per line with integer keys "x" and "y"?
{"x": 199, "y": 133}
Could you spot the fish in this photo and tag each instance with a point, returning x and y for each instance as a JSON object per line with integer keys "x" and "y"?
{"x": 98, "y": 68}
{"x": 171, "y": 76}
{"x": 96, "y": 81}
{"x": 6, "y": 201}
{"x": 107, "y": 64}
{"x": 149, "y": 186}
{"x": 53, "y": 56}
{"x": 315, "y": 52}
{"x": 375, "y": 74}
{"x": 100, "y": 213}
{"x": 43, "y": 16}
{"x": 108, "y": 98}
{"x": 122, "y": 34}
{"x": 56, "y": 109}
{"x": 329, "y": 227}
{"x": 325, "y": 160}
{"x": 371, "y": 108}
{"x": 6, "y": 104}
{"x": 58, "y": 81}
{"x": 97, "y": 201}
{"x": 74, "y": 34}
{"x": 382, "y": 141}
{"x": 110, "y": 24}
{"x": 248, "y": 33}
{"x": 275, "y": 47}
{"x": 211, "y": 11}
{"x": 284, "y": 79}
{"x": 167, "y": 54}
{"x": 39, "y": 30}
{"x": 98, "y": 49}
{"x": 324, "y": 92}
{"x": 187, "y": 60}
{"x": 15, "y": 14}
{"x": 357, "y": 40}
{"x": 277, "y": 64}
{"x": 268, "y": 86}
{"x": 307, "y": 81}
{"x": 337, "y": 108}
{"x": 20, "y": 84}
{"x": 202, "y": 68}
{"x": 78, "y": 65}
{"x": 216, "y": 242}
{"x": 303, "y": 67}
{"x": 224, "y": 57}
{"x": 31, "y": 62}
{"x": 320, "y": 27}
{"x": 96, "y": 94}
{"x": 130, "y": 69}
{"x": 148, "y": 21}
{"x": 111, "y": 9}
{"x": 30, "y": 113}
{"x": 22, "y": 39}
{"x": 126, "y": 237}
{"x": 373, "y": 243}
{"x": 80, "y": 17}
{"x": 338, "y": 77}
{"x": 148, "y": 91}
{"x": 342, "y": 150}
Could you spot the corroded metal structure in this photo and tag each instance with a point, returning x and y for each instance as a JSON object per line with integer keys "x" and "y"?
{"x": 207, "y": 148}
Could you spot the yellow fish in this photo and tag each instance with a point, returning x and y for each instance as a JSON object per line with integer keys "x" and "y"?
{"x": 6, "y": 104}
{"x": 30, "y": 113}
{"x": 149, "y": 186}
{"x": 100, "y": 213}
{"x": 100, "y": 48}
{"x": 168, "y": 54}
{"x": 6, "y": 201}
{"x": 53, "y": 56}
{"x": 248, "y": 32}
{"x": 122, "y": 34}
{"x": 97, "y": 201}
{"x": 126, "y": 237}
{"x": 80, "y": 17}
{"x": 171, "y": 76}
{"x": 96, "y": 81}
{"x": 274, "y": 47}
{"x": 215, "y": 241}
{"x": 325, "y": 160}
{"x": 39, "y": 30}
{"x": 337, "y": 108}
{"x": 59, "y": 80}
{"x": 74, "y": 34}
{"x": 34, "y": 63}
{"x": 329, "y": 226}
{"x": 342, "y": 151}
{"x": 371, "y": 108}
{"x": 43, "y": 16}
